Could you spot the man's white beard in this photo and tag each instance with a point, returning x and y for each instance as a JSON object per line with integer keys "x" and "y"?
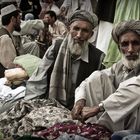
{"x": 131, "y": 64}
{"x": 75, "y": 48}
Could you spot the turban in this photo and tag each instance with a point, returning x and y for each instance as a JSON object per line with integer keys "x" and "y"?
{"x": 85, "y": 16}
{"x": 125, "y": 26}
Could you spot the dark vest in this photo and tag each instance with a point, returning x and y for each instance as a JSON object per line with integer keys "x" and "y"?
{"x": 3, "y": 31}
{"x": 95, "y": 63}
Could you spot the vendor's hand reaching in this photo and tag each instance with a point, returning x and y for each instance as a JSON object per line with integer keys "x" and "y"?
{"x": 77, "y": 109}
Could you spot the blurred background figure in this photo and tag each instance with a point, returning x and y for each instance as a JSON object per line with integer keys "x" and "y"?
{"x": 30, "y": 6}
{"x": 57, "y": 28}
{"x": 69, "y": 6}
{"x": 47, "y": 5}
{"x": 29, "y": 16}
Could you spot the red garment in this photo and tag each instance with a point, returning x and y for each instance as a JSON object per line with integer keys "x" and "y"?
{"x": 90, "y": 131}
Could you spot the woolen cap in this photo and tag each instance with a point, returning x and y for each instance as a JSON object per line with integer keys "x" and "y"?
{"x": 123, "y": 27}
{"x": 83, "y": 15}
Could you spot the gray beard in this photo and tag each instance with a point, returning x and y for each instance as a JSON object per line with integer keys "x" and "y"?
{"x": 130, "y": 64}
{"x": 76, "y": 49}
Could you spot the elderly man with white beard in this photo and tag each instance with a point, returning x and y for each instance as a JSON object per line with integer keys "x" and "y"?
{"x": 67, "y": 62}
{"x": 111, "y": 97}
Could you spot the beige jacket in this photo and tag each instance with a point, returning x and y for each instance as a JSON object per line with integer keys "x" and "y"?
{"x": 7, "y": 50}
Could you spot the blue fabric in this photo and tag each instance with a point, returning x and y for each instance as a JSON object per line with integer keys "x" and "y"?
{"x": 132, "y": 137}
{"x": 119, "y": 135}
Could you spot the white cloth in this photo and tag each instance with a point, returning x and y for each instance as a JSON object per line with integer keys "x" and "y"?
{"x": 104, "y": 35}
{"x": 29, "y": 25}
{"x": 7, "y": 94}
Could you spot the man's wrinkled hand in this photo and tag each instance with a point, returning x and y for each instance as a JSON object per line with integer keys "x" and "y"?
{"x": 77, "y": 109}
{"x": 88, "y": 112}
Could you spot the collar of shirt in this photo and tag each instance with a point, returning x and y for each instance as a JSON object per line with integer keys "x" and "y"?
{"x": 6, "y": 29}
{"x": 135, "y": 70}
{"x": 55, "y": 24}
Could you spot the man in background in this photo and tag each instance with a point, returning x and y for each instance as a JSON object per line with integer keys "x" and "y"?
{"x": 10, "y": 18}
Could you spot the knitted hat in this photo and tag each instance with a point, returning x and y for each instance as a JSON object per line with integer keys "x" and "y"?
{"x": 83, "y": 15}
{"x": 125, "y": 26}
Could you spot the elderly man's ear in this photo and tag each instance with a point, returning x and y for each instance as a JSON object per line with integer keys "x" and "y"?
{"x": 91, "y": 34}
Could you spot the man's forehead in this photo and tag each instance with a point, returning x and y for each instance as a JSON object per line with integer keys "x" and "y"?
{"x": 130, "y": 34}
{"x": 81, "y": 23}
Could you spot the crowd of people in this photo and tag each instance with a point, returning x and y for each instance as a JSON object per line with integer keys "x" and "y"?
{"x": 48, "y": 50}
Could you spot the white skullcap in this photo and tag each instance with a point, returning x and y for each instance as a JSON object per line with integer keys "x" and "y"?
{"x": 8, "y": 9}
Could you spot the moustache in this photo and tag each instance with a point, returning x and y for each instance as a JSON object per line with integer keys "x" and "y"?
{"x": 132, "y": 56}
